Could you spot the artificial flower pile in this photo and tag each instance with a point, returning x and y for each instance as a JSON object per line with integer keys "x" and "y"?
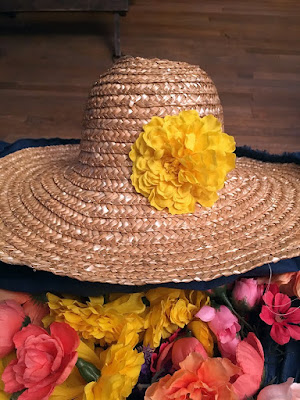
{"x": 162, "y": 344}
{"x": 181, "y": 160}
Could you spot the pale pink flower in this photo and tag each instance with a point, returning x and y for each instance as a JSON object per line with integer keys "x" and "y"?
{"x": 284, "y": 391}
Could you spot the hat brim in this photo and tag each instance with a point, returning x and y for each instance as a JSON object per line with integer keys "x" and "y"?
{"x": 55, "y": 217}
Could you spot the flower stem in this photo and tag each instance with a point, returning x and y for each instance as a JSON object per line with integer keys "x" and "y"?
{"x": 230, "y": 306}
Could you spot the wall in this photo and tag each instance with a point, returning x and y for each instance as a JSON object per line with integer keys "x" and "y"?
{"x": 251, "y": 49}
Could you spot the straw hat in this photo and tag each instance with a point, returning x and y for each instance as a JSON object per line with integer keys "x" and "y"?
{"x": 73, "y": 210}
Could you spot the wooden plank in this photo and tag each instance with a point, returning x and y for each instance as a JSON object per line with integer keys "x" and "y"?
{"x": 48, "y": 62}
{"x": 63, "y": 5}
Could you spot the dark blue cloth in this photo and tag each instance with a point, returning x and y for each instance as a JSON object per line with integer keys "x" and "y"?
{"x": 22, "y": 278}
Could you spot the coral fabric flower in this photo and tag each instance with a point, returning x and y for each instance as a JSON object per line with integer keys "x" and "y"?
{"x": 120, "y": 369}
{"x": 284, "y": 391}
{"x": 182, "y": 160}
{"x": 279, "y": 313}
{"x": 11, "y": 320}
{"x": 248, "y": 292}
{"x": 43, "y": 361}
{"x": 185, "y": 346}
{"x": 3, "y": 364}
{"x": 197, "y": 379}
{"x": 222, "y": 322}
{"x": 250, "y": 358}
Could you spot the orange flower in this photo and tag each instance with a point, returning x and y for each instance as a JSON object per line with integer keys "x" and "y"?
{"x": 286, "y": 282}
{"x": 196, "y": 379}
{"x": 296, "y": 287}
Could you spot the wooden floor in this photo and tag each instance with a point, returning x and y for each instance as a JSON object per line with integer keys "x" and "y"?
{"x": 251, "y": 49}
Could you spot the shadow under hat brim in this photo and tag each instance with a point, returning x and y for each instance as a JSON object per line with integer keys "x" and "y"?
{"x": 56, "y": 218}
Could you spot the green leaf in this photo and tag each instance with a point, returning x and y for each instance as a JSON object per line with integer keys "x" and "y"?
{"x": 40, "y": 298}
{"x": 16, "y": 395}
{"x": 26, "y": 321}
{"x": 146, "y": 301}
{"x": 87, "y": 370}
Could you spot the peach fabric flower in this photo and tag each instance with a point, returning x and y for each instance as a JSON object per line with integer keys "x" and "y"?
{"x": 43, "y": 360}
{"x": 35, "y": 310}
{"x": 18, "y": 297}
{"x": 296, "y": 287}
{"x": 288, "y": 283}
{"x": 11, "y": 318}
{"x": 250, "y": 358}
{"x": 197, "y": 379}
{"x": 247, "y": 291}
{"x": 285, "y": 391}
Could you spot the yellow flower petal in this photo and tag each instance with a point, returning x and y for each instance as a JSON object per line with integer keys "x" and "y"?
{"x": 87, "y": 354}
{"x": 181, "y": 149}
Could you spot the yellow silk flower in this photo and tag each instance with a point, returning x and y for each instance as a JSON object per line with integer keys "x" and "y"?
{"x": 99, "y": 321}
{"x": 182, "y": 160}
{"x": 169, "y": 310}
{"x": 120, "y": 369}
{"x": 202, "y": 332}
{"x": 71, "y": 389}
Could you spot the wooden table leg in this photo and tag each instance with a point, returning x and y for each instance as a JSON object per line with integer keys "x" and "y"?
{"x": 117, "y": 41}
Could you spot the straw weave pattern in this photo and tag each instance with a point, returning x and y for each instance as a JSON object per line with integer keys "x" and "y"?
{"x": 72, "y": 210}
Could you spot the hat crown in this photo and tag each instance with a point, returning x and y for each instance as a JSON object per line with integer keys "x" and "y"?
{"x": 128, "y": 95}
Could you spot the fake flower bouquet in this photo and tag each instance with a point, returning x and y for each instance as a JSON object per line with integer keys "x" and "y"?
{"x": 162, "y": 344}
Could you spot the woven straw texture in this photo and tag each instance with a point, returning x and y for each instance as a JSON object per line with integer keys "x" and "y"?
{"x": 72, "y": 210}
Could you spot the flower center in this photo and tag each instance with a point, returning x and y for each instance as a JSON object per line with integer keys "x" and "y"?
{"x": 279, "y": 318}
{"x": 171, "y": 165}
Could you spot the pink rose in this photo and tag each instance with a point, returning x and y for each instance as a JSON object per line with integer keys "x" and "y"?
{"x": 183, "y": 347}
{"x": 285, "y": 391}
{"x": 43, "y": 360}
{"x": 11, "y": 320}
{"x": 247, "y": 291}
{"x": 222, "y": 322}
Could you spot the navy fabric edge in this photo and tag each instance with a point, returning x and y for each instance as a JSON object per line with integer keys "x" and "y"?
{"x": 23, "y": 278}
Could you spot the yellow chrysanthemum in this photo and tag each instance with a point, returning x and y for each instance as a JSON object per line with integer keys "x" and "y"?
{"x": 182, "y": 160}
{"x": 169, "y": 310}
{"x": 71, "y": 389}
{"x": 96, "y": 320}
{"x": 121, "y": 366}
